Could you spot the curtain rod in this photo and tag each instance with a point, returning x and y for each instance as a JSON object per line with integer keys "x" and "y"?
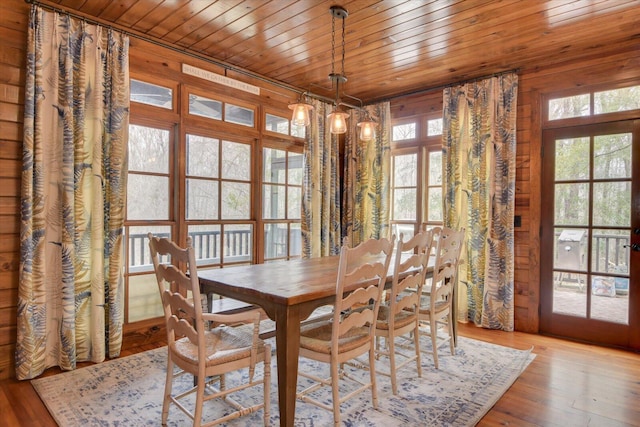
{"x": 152, "y": 40}
{"x": 227, "y": 66}
{"x": 441, "y": 87}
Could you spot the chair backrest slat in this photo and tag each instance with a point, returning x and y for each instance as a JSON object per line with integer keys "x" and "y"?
{"x": 364, "y": 266}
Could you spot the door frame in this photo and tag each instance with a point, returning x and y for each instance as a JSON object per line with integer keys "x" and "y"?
{"x": 573, "y": 327}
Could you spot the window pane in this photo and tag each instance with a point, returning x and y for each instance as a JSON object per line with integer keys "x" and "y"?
{"x": 138, "y": 246}
{"x": 612, "y": 156}
{"x": 277, "y": 124}
{"x": 435, "y": 168}
{"x": 206, "y": 243}
{"x": 295, "y": 240}
{"x": 572, "y": 159}
{"x": 404, "y": 204}
{"x": 608, "y": 254}
{"x": 295, "y": 203}
{"x": 571, "y": 249}
{"x": 273, "y": 201}
{"x": 202, "y": 156}
{"x": 612, "y": 204}
{"x": 435, "y": 204}
{"x": 148, "y": 149}
{"x": 434, "y": 127}
{"x": 295, "y": 169}
{"x": 144, "y": 298}
{"x": 236, "y": 161}
{"x": 238, "y": 243}
{"x": 205, "y": 107}
{"x": 151, "y": 94}
{"x": 405, "y": 170}
{"x": 572, "y": 204}
{"x": 572, "y": 106}
{"x": 274, "y": 166}
{"x": 147, "y": 197}
{"x": 405, "y": 131}
{"x": 276, "y": 238}
{"x": 603, "y": 303}
{"x": 298, "y": 131}
{"x": 236, "y": 200}
{"x": 238, "y": 115}
{"x": 610, "y": 101}
{"x": 202, "y": 199}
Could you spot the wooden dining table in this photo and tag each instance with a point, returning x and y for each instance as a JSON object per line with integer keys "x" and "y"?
{"x": 289, "y": 292}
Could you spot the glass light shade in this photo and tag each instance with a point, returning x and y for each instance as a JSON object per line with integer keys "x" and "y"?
{"x": 367, "y": 130}
{"x": 338, "y": 121}
{"x": 301, "y": 114}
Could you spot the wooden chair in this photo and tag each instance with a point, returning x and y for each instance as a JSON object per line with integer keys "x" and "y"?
{"x": 349, "y": 332}
{"x": 436, "y": 306}
{"x": 398, "y": 315}
{"x": 206, "y": 354}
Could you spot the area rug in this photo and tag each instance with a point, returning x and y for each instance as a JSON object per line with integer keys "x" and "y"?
{"x": 128, "y": 391}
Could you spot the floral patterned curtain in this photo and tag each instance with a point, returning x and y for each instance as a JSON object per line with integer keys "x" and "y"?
{"x": 479, "y": 147}
{"x": 321, "y": 187}
{"x": 70, "y": 302}
{"x": 367, "y": 178}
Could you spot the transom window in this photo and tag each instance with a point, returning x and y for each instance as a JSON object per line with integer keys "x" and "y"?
{"x": 594, "y": 103}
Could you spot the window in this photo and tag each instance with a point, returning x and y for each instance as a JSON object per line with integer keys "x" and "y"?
{"x": 284, "y": 126}
{"x": 148, "y": 202}
{"x": 281, "y": 203}
{"x": 197, "y": 172}
{"x": 416, "y": 163}
{"x": 147, "y": 93}
{"x": 594, "y": 103}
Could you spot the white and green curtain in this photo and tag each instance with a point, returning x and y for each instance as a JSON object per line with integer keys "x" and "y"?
{"x": 367, "y": 178}
{"x": 70, "y": 301}
{"x": 321, "y": 187}
{"x": 479, "y": 147}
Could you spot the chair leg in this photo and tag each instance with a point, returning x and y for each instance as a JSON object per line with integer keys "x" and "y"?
{"x": 335, "y": 394}
{"x": 267, "y": 387}
{"x": 197, "y": 413}
{"x": 392, "y": 362}
{"x": 452, "y": 342}
{"x": 167, "y": 390}
{"x": 416, "y": 343}
{"x": 433, "y": 330}
{"x": 372, "y": 375}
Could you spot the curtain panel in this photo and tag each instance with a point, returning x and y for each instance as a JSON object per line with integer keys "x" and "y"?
{"x": 479, "y": 148}
{"x": 367, "y": 178}
{"x": 70, "y": 301}
{"x": 321, "y": 187}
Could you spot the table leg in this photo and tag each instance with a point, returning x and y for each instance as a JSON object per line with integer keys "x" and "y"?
{"x": 287, "y": 351}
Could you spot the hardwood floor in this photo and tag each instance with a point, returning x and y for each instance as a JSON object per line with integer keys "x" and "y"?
{"x": 568, "y": 384}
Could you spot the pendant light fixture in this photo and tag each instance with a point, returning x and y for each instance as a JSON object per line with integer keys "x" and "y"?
{"x": 367, "y": 128}
{"x": 338, "y": 118}
{"x": 301, "y": 112}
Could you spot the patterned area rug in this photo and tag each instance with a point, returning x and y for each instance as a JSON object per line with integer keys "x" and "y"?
{"x": 128, "y": 391}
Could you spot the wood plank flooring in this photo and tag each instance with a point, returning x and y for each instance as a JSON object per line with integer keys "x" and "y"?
{"x": 568, "y": 384}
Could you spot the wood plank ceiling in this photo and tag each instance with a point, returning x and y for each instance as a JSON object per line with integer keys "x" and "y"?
{"x": 393, "y": 47}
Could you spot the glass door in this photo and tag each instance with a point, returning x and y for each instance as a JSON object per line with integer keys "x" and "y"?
{"x": 590, "y": 237}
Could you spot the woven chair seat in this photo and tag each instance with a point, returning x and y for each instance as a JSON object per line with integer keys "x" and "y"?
{"x": 439, "y": 307}
{"x": 402, "y": 318}
{"x": 223, "y": 344}
{"x": 316, "y": 336}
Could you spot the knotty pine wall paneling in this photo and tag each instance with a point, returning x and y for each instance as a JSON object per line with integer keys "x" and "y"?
{"x": 13, "y": 38}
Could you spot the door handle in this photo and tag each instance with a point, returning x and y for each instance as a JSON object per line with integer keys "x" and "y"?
{"x": 634, "y": 247}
